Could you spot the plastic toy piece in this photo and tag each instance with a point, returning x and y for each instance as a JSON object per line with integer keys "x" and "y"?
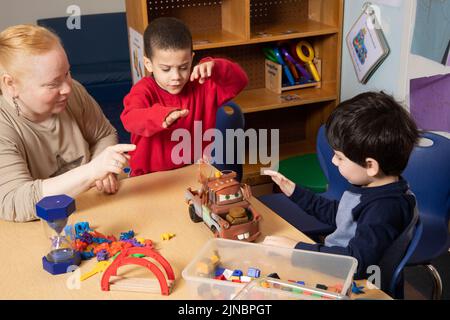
{"x": 356, "y": 289}
{"x": 125, "y": 259}
{"x": 214, "y": 259}
{"x": 302, "y": 70}
{"x": 237, "y": 273}
{"x": 321, "y": 286}
{"x": 237, "y": 215}
{"x": 219, "y": 271}
{"x": 127, "y": 235}
{"x": 227, "y": 273}
{"x": 254, "y": 272}
{"x": 308, "y": 59}
{"x": 214, "y": 201}
{"x": 99, "y": 267}
{"x": 206, "y": 267}
{"x": 287, "y": 72}
{"x": 273, "y": 275}
{"x": 167, "y": 236}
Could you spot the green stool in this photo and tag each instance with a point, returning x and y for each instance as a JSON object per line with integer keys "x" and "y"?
{"x": 305, "y": 171}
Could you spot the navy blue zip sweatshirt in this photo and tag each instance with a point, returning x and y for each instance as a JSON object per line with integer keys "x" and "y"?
{"x": 367, "y": 220}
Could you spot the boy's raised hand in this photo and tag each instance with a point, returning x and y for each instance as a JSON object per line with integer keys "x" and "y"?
{"x": 286, "y": 185}
{"x": 174, "y": 116}
{"x": 202, "y": 71}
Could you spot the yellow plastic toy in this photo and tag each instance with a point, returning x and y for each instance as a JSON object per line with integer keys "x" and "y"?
{"x": 308, "y": 59}
{"x": 167, "y": 236}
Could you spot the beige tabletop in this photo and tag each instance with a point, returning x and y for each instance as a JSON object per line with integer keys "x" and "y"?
{"x": 150, "y": 205}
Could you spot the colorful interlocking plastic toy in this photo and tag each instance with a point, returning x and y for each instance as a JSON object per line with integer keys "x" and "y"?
{"x": 92, "y": 243}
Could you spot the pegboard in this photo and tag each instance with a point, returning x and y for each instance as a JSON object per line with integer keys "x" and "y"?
{"x": 250, "y": 58}
{"x": 200, "y": 16}
{"x": 265, "y": 12}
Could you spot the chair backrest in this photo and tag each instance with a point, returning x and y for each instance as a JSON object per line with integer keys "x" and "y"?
{"x": 337, "y": 184}
{"x": 428, "y": 175}
{"x": 101, "y": 38}
{"x": 396, "y": 283}
{"x": 229, "y": 116}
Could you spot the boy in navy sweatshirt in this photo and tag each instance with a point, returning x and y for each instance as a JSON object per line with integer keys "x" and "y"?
{"x": 372, "y": 137}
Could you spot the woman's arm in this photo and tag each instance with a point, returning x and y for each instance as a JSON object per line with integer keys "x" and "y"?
{"x": 19, "y": 191}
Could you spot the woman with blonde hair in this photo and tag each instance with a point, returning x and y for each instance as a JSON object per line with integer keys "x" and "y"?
{"x": 54, "y": 138}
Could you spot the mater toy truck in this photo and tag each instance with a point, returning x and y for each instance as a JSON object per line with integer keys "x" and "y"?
{"x": 222, "y": 204}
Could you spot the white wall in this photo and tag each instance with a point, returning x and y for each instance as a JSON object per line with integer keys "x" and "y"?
{"x": 28, "y": 11}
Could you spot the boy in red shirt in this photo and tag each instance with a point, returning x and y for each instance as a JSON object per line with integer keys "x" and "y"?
{"x": 173, "y": 97}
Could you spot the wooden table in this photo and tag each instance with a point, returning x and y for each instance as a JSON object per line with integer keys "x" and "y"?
{"x": 150, "y": 205}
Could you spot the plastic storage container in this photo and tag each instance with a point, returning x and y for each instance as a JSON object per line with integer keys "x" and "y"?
{"x": 291, "y": 265}
{"x": 274, "y": 289}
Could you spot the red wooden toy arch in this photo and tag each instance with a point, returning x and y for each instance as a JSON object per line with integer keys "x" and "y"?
{"x": 124, "y": 259}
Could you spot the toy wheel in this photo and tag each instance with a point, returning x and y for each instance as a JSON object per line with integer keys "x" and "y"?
{"x": 214, "y": 230}
{"x": 194, "y": 217}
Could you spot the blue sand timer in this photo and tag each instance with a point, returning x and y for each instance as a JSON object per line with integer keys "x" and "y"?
{"x": 55, "y": 210}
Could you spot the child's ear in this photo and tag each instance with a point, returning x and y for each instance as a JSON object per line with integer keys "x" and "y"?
{"x": 148, "y": 65}
{"x": 372, "y": 167}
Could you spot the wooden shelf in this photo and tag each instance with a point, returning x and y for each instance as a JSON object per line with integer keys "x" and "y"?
{"x": 262, "y": 99}
{"x": 252, "y": 174}
{"x": 215, "y": 39}
{"x": 220, "y": 39}
{"x": 285, "y": 31}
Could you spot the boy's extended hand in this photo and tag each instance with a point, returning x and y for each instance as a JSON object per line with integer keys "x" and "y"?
{"x": 202, "y": 71}
{"x": 286, "y": 185}
{"x": 279, "y": 242}
{"x": 174, "y": 116}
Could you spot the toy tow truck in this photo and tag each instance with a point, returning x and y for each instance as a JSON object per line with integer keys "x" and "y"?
{"x": 222, "y": 204}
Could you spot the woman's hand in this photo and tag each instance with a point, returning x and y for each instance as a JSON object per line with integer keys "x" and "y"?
{"x": 286, "y": 185}
{"x": 202, "y": 71}
{"x": 111, "y": 160}
{"x": 109, "y": 185}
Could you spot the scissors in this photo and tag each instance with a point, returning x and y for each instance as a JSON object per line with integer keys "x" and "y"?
{"x": 287, "y": 72}
{"x": 302, "y": 70}
{"x": 308, "y": 59}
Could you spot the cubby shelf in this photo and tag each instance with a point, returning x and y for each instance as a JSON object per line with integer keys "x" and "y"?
{"x": 220, "y": 39}
{"x": 261, "y": 99}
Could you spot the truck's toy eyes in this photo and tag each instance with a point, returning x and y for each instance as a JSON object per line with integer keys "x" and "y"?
{"x": 227, "y": 197}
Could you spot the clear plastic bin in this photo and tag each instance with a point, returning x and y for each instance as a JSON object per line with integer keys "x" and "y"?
{"x": 291, "y": 265}
{"x": 274, "y": 289}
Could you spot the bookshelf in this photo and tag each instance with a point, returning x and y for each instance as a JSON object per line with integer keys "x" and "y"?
{"x": 239, "y": 29}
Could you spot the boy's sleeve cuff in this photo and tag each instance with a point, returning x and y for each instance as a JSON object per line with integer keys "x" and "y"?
{"x": 307, "y": 246}
{"x": 296, "y": 195}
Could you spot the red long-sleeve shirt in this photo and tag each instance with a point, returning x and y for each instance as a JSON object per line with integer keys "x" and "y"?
{"x": 147, "y": 105}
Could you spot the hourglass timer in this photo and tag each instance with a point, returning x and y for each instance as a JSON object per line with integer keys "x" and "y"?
{"x": 54, "y": 212}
